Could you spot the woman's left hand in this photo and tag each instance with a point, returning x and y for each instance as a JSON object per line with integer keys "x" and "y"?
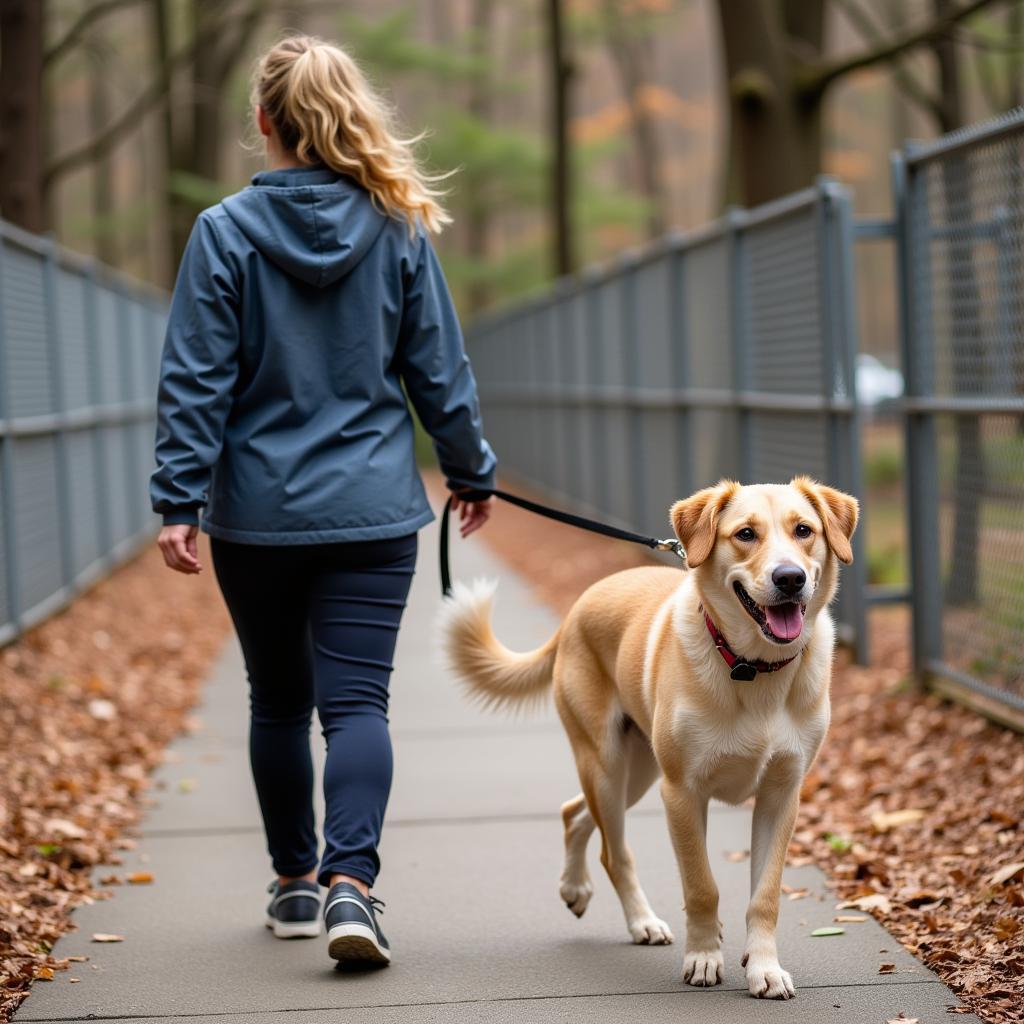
{"x": 472, "y": 514}
{"x": 178, "y": 545}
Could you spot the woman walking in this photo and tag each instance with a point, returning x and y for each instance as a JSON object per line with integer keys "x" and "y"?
{"x": 302, "y": 306}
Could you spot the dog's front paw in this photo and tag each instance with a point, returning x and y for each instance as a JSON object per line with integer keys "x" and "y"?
{"x": 576, "y": 896}
{"x": 703, "y": 968}
{"x": 767, "y": 980}
{"x": 650, "y": 931}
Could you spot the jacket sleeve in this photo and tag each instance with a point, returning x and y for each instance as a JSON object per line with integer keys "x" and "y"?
{"x": 438, "y": 377}
{"x": 198, "y": 369}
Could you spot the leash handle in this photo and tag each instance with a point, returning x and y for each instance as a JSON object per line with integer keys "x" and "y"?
{"x": 581, "y": 522}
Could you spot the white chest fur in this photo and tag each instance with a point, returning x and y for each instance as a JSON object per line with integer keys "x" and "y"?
{"x": 725, "y": 732}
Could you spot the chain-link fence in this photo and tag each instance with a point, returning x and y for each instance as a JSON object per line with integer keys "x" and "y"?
{"x": 79, "y": 356}
{"x": 961, "y": 209}
{"x": 726, "y": 353}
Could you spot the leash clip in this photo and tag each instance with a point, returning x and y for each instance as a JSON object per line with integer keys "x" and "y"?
{"x": 674, "y": 545}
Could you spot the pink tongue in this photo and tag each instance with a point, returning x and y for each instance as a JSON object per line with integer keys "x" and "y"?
{"x": 786, "y": 621}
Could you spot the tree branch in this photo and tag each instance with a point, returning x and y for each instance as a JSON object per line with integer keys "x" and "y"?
{"x": 78, "y": 28}
{"x": 875, "y": 36}
{"x": 816, "y": 78}
{"x": 246, "y": 26}
{"x": 130, "y": 118}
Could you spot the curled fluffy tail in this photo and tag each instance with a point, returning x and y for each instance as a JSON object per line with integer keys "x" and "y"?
{"x": 493, "y": 674}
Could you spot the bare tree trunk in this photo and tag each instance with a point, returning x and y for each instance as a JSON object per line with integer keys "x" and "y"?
{"x": 1015, "y": 59}
{"x": 103, "y": 204}
{"x": 207, "y": 79}
{"x": 172, "y": 114}
{"x": 969, "y": 483}
{"x": 478, "y": 213}
{"x": 561, "y": 168}
{"x": 632, "y": 54}
{"x": 22, "y": 195}
{"x": 777, "y": 139}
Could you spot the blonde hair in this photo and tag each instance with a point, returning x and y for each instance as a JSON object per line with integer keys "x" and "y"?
{"x": 324, "y": 110}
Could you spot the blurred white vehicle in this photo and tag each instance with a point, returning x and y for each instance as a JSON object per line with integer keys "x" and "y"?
{"x": 876, "y": 382}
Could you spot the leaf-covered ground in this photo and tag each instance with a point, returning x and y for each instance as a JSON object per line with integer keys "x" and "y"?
{"x": 914, "y": 808}
{"x": 88, "y": 701}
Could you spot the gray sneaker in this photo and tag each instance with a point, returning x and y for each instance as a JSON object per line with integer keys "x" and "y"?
{"x": 353, "y": 934}
{"x": 294, "y": 910}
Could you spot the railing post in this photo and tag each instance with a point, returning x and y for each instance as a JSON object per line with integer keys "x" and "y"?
{"x": 679, "y": 329}
{"x": 127, "y": 426}
{"x": 922, "y": 464}
{"x": 58, "y": 400}
{"x": 10, "y": 540}
{"x": 597, "y": 379}
{"x": 100, "y": 454}
{"x": 840, "y": 383}
{"x": 740, "y": 341}
{"x": 636, "y": 471}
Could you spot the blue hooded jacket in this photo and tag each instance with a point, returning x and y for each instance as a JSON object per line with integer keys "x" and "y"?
{"x": 298, "y": 313}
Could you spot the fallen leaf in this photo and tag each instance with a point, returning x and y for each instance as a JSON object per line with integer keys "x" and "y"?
{"x": 103, "y": 710}
{"x": 920, "y": 898}
{"x": 44, "y": 974}
{"x": 64, "y": 829}
{"x": 876, "y": 901}
{"x": 886, "y": 968}
{"x": 822, "y": 932}
{"x": 78, "y": 959}
{"x": 901, "y": 1019}
{"x": 187, "y": 785}
{"x": 139, "y": 878}
{"x": 1005, "y": 873}
{"x": 106, "y": 937}
{"x": 849, "y": 919}
{"x": 796, "y": 894}
{"x": 74, "y": 980}
{"x": 885, "y": 820}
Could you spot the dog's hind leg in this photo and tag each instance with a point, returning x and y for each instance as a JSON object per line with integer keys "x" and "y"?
{"x": 618, "y": 778}
{"x": 576, "y": 887}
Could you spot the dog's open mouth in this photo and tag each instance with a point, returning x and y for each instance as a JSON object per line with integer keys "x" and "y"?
{"x": 781, "y": 623}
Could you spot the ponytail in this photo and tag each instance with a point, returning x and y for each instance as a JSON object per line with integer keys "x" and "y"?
{"x": 324, "y": 110}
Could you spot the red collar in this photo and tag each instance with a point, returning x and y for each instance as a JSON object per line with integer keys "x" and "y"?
{"x": 742, "y": 670}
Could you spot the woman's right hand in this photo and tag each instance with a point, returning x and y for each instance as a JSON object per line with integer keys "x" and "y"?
{"x": 178, "y": 545}
{"x": 472, "y": 514}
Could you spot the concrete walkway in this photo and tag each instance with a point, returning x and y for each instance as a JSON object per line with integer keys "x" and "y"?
{"x": 471, "y": 857}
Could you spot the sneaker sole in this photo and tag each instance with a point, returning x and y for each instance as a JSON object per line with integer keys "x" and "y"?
{"x": 294, "y": 929}
{"x": 355, "y": 942}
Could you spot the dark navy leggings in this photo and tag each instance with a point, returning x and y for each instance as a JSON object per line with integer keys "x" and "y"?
{"x": 317, "y": 625}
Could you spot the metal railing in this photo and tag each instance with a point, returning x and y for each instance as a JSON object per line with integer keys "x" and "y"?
{"x": 724, "y": 353}
{"x": 79, "y": 357}
{"x": 960, "y": 206}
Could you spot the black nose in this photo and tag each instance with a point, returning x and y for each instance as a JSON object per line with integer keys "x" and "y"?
{"x": 789, "y": 579}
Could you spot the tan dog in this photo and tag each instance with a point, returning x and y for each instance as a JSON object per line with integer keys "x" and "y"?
{"x": 646, "y": 685}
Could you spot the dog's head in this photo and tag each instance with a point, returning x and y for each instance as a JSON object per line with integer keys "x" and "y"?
{"x": 766, "y": 557}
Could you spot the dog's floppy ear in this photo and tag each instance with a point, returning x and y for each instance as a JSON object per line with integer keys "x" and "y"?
{"x": 838, "y": 512}
{"x": 695, "y": 519}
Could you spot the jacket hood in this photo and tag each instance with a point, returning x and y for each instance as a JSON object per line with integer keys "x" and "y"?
{"x": 313, "y": 222}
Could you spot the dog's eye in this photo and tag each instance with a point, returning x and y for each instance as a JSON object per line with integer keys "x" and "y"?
{"x": 746, "y": 534}
{"x": 803, "y": 531}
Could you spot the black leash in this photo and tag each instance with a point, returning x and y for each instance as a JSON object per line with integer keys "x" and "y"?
{"x": 551, "y": 513}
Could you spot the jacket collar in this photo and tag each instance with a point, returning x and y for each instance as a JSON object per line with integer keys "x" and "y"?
{"x": 285, "y": 177}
